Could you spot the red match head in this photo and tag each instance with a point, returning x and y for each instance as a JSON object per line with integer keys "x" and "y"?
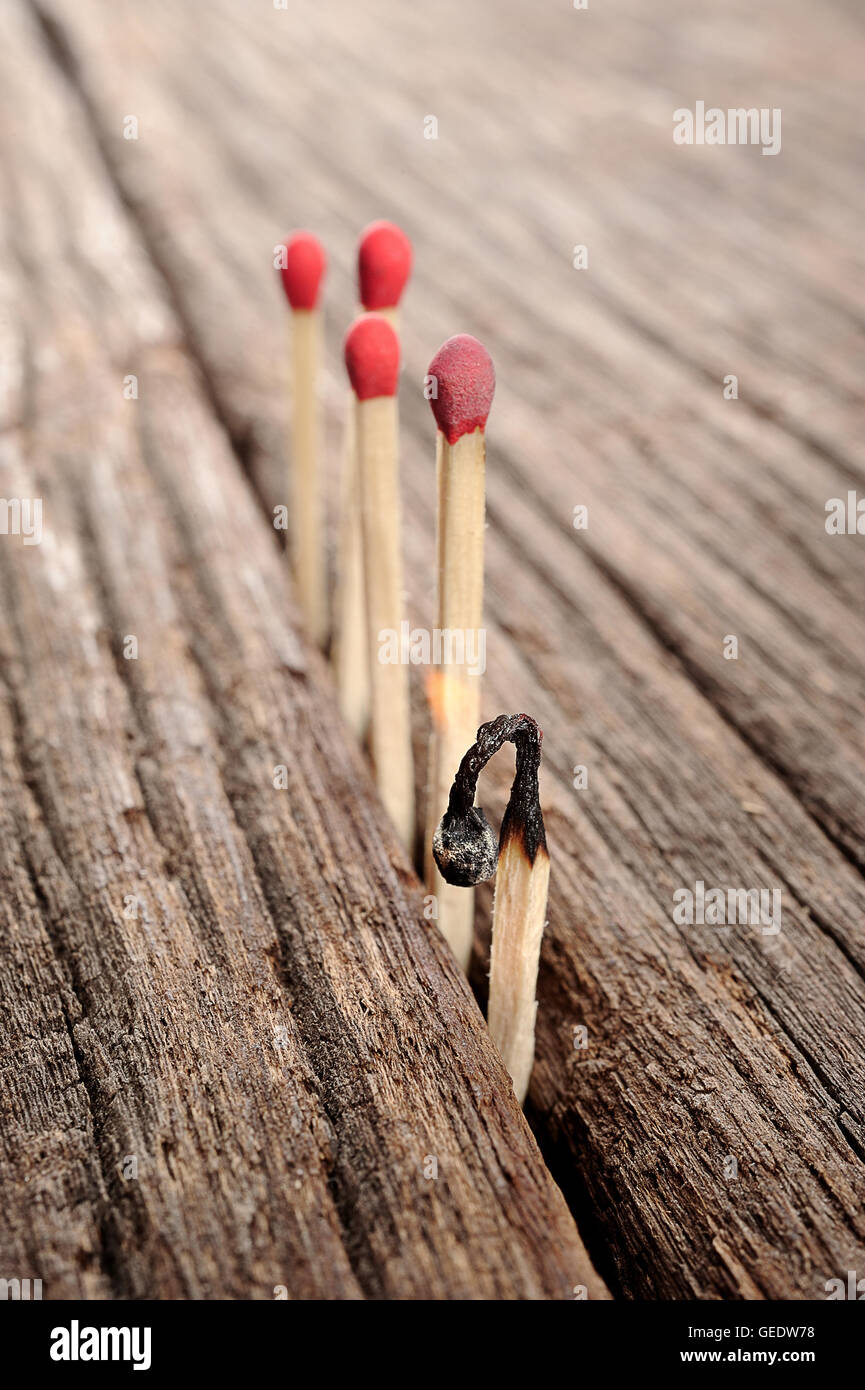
{"x": 372, "y": 357}
{"x": 303, "y": 270}
{"x": 383, "y": 265}
{"x": 463, "y": 386}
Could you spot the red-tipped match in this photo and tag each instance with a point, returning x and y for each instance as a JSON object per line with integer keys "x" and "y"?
{"x": 383, "y": 265}
{"x": 372, "y": 357}
{"x": 463, "y": 387}
{"x": 303, "y": 271}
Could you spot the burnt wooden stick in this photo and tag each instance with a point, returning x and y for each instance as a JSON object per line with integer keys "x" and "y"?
{"x": 278, "y": 1078}
{"x": 519, "y": 913}
{"x": 465, "y": 853}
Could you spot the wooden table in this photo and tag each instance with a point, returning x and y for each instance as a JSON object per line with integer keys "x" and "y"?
{"x": 236, "y": 1057}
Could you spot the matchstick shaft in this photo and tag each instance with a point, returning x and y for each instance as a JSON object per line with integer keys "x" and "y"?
{"x": 377, "y": 454}
{"x": 307, "y": 549}
{"x": 460, "y": 470}
{"x": 519, "y": 911}
{"x": 352, "y": 642}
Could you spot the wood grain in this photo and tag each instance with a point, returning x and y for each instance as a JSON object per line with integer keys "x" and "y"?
{"x": 238, "y": 1059}
{"x": 706, "y": 519}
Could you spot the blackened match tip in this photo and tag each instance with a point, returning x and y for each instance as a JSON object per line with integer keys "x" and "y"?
{"x": 463, "y": 845}
{"x": 465, "y": 848}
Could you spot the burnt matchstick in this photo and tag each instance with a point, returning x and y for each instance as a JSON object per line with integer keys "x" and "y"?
{"x": 383, "y": 266}
{"x": 462, "y": 381}
{"x": 465, "y": 851}
{"x": 372, "y": 361}
{"x": 302, "y": 273}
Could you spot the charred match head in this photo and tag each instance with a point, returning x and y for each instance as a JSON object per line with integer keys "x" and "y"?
{"x": 303, "y": 270}
{"x": 372, "y": 357}
{"x": 464, "y": 382}
{"x": 383, "y": 265}
{"x": 464, "y": 846}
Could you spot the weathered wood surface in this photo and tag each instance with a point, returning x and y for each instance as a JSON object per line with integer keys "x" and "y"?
{"x": 706, "y": 519}
{"x": 232, "y": 1047}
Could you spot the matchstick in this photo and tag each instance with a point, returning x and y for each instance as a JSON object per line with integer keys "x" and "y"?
{"x": 461, "y": 379}
{"x": 301, "y": 277}
{"x": 519, "y": 914}
{"x": 372, "y": 361}
{"x": 383, "y": 267}
{"x": 465, "y": 852}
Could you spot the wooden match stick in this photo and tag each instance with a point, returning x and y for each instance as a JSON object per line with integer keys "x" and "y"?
{"x": 519, "y": 914}
{"x": 465, "y": 852}
{"x": 301, "y": 277}
{"x": 372, "y": 361}
{"x": 461, "y": 379}
{"x": 383, "y": 265}
{"x": 351, "y": 642}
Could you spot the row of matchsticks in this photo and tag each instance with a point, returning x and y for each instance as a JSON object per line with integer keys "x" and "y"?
{"x": 461, "y": 850}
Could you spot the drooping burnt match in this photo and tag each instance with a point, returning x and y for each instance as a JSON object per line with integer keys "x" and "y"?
{"x": 465, "y": 852}
{"x": 464, "y": 844}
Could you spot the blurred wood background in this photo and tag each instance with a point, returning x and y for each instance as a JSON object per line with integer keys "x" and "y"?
{"x": 710, "y": 1135}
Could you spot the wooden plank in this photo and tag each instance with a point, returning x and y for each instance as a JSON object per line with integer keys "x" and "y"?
{"x": 706, "y": 518}
{"x": 52, "y": 1232}
{"x": 254, "y": 1009}
{"x": 732, "y": 493}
